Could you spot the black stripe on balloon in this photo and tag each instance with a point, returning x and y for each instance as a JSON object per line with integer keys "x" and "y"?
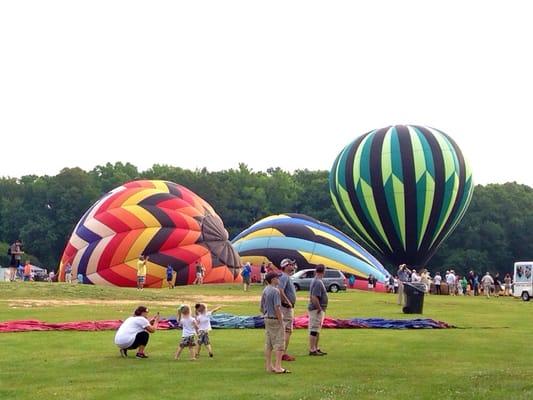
{"x": 157, "y": 241}
{"x": 155, "y": 199}
{"x": 380, "y": 198}
{"x": 410, "y": 200}
{"x": 276, "y": 255}
{"x": 354, "y": 202}
{"x": 181, "y": 267}
{"x": 458, "y": 200}
{"x": 302, "y": 216}
{"x": 174, "y": 189}
{"x": 161, "y": 216}
{"x": 295, "y": 230}
{"x": 436, "y": 208}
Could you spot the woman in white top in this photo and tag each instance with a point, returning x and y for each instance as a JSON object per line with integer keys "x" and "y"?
{"x": 134, "y": 332}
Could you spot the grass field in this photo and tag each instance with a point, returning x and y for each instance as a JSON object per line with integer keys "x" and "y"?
{"x": 489, "y": 356}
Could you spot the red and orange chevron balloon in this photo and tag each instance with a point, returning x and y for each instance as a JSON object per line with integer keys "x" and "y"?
{"x": 163, "y": 220}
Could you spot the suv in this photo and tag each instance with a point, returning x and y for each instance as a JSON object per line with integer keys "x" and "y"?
{"x": 334, "y": 280}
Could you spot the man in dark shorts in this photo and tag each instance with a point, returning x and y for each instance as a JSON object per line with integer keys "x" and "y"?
{"x": 288, "y": 300}
{"x": 318, "y": 302}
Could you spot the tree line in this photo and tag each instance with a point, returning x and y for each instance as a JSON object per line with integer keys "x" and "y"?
{"x": 43, "y": 210}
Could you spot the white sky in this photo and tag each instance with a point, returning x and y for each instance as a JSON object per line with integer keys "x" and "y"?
{"x": 272, "y": 83}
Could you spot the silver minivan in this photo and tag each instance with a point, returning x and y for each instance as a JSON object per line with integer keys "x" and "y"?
{"x": 334, "y": 280}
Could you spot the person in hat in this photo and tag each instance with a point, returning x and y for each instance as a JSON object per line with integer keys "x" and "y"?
{"x": 274, "y": 333}
{"x": 318, "y": 302}
{"x": 134, "y": 332}
{"x": 288, "y": 300}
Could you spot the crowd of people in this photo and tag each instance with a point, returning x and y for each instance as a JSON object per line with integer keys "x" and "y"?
{"x": 450, "y": 283}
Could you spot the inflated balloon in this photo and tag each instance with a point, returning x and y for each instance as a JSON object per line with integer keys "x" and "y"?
{"x": 402, "y": 189}
{"x": 163, "y": 220}
{"x": 309, "y": 242}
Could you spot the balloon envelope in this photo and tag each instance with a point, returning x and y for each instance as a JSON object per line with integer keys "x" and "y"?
{"x": 165, "y": 221}
{"x": 309, "y": 242}
{"x": 402, "y": 189}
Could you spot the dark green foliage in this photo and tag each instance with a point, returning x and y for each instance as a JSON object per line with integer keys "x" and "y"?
{"x": 43, "y": 211}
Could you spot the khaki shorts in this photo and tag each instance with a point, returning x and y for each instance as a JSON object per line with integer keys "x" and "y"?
{"x": 315, "y": 320}
{"x": 274, "y": 335}
{"x": 288, "y": 318}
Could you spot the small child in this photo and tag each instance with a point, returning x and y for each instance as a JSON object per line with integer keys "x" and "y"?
{"x": 188, "y": 335}
{"x": 204, "y": 326}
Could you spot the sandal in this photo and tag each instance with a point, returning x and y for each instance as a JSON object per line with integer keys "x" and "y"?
{"x": 283, "y": 371}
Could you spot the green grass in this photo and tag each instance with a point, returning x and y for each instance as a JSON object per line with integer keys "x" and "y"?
{"x": 488, "y": 357}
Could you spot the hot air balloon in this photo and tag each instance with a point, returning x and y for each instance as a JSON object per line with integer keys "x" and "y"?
{"x": 163, "y": 220}
{"x": 402, "y": 189}
{"x": 309, "y": 242}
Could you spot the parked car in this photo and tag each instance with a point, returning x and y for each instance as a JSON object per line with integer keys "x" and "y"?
{"x": 334, "y": 280}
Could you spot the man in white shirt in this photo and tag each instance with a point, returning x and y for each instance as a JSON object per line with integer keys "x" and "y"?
{"x": 134, "y": 332}
{"x": 450, "y": 281}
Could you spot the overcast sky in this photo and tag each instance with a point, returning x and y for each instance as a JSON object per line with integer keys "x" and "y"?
{"x": 274, "y": 83}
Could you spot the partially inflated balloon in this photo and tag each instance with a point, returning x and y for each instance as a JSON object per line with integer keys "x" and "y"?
{"x": 309, "y": 242}
{"x": 165, "y": 221}
{"x": 402, "y": 189}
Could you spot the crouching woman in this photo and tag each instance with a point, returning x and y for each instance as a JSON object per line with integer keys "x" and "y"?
{"x": 134, "y": 332}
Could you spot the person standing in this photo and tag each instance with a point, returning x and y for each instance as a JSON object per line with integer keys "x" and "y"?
{"x": 507, "y": 282}
{"x": 370, "y": 282}
{"x": 170, "y": 276}
{"x": 497, "y": 284}
{"x": 288, "y": 301}
{"x": 274, "y": 334}
{"x": 68, "y": 273}
{"x": 318, "y": 302}
{"x": 27, "y": 271}
{"x": 199, "y": 273}
{"x": 487, "y": 282}
{"x": 134, "y": 332}
{"x": 263, "y": 272}
{"x": 141, "y": 271}
{"x": 464, "y": 285}
{"x": 246, "y": 274}
{"x": 426, "y": 280}
{"x": 450, "y": 281}
{"x": 15, "y": 251}
{"x": 403, "y": 276}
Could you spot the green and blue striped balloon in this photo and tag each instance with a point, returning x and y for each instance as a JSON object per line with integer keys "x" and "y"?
{"x": 402, "y": 189}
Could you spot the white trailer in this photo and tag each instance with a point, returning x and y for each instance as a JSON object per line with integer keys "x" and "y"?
{"x": 523, "y": 280}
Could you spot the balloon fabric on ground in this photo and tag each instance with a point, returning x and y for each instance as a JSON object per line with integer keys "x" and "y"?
{"x": 309, "y": 242}
{"x": 402, "y": 189}
{"x": 163, "y": 220}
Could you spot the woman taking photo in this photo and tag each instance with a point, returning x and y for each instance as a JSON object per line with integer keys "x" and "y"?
{"x": 135, "y": 332}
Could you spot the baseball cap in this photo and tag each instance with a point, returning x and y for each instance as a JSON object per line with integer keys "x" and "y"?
{"x": 286, "y": 261}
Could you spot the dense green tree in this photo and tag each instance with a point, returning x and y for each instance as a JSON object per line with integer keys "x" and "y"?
{"x": 43, "y": 210}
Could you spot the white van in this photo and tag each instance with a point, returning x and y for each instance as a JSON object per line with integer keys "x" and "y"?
{"x": 523, "y": 280}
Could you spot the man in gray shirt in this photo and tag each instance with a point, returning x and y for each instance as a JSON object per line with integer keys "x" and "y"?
{"x": 274, "y": 334}
{"x": 318, "y": 302}
{"x": 288, "y": 300}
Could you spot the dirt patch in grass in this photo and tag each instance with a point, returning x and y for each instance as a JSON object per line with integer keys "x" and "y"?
{"x": 30, "y": 303}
